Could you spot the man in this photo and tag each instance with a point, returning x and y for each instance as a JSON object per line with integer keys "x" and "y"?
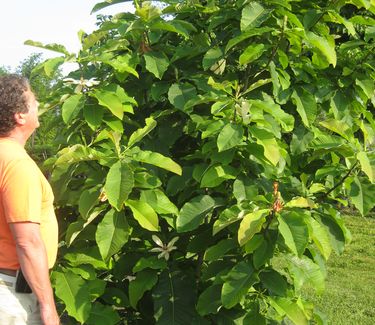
{"x": 28, "y": 226}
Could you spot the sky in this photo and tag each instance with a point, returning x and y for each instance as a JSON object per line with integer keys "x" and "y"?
{"x": 46, "y": 21}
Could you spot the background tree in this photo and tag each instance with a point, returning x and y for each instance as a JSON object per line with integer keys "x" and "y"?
{"x": 207, "y": 146}
{"x": 43, "y": 142}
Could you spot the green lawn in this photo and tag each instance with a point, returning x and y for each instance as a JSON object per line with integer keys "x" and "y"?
{"x": 349, "y": 298}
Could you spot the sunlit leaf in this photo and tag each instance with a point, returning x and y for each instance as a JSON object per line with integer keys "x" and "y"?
{"x": 144, "y": 214}
{"x": 293, "y": 228}
{"x": 139, "y": 134}
{"x": 253, "y": 15}
{"x": 251, "y": 224}
{"x": 72, "y": 290}
{"x": 119, "y": 184}
{"x": 157, "y": 63}
{"x": 71, "y": 107}
{"x": 112, "y": 233}
{"x": 192, "y": 213}
{"x": 230, "y": 136}
{"x": 157, "y": 159}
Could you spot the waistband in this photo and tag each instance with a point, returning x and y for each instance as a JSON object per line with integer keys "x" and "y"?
{"x": 7, "y": 280}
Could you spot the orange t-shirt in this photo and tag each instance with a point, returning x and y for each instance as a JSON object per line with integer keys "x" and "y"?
{"x": 25, "y": 196}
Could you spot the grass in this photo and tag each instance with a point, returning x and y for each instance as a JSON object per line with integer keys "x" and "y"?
{"x": 349, "y": 298}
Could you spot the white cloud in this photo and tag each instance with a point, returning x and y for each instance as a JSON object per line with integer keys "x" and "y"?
{"x": 47, "y": 22}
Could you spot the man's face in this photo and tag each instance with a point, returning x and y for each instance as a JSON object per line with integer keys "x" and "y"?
{"x": 31, "y": 116}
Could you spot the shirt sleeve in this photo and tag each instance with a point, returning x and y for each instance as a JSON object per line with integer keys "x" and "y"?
{"x": 22, "y": 192}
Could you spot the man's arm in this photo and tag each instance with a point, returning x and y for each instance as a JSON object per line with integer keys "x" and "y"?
{"x": 33, "y": 260}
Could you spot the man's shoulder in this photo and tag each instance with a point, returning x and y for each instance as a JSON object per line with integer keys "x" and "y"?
{"x": 10, "y": 152}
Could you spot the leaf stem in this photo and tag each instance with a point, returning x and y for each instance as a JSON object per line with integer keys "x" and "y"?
{"x": 342, "y": 180}
{"x": 332, "y": 2}
{"x": 275, "y": 48}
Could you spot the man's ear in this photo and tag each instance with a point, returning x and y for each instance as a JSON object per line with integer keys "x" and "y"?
{"x": 20, "y": 118}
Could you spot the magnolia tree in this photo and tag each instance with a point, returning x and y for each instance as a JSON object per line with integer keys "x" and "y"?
{"x": 207, "y": 149}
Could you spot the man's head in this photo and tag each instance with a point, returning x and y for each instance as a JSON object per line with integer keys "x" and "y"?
{"x": 17, "y": 104}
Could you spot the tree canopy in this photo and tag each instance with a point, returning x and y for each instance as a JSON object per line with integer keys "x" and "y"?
{"x": 207, "y": 147}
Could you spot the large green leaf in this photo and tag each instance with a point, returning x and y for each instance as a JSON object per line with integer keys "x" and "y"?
{"x": 174, "y": 298}
{"x": 145, "y": 280}
{"x": 211, "y": 57}
{"x": 157, "y": 159}
{"x": 146, "y": 180}
{"x": 51, "y": 66}
{"x": 152, "y": 262}
{"x": 215, "y": 175}
{"x": 76, "y": 227}
{"x": 93, "y": 115}
{"x": 71, "y": 107}
{"x": 267, "y": 140}
{"x": 111, "y": 101}
{"x": 285, "y": 120}
{"x": 158, "y": 201}
{"x": 121, "y": 63}
{"x": 115, "y": 99}
{"x": 226, "y": 218}
{"x": 139, "y": 134}
{"x": 217, "y": 251}
{"x": 253, "y": 15}
{"x": 87, "y": 200}
{"x": 96, "y": 287}
{"x": 193, "y": 212}
{"x": 112, "y": 233}
{"x": 230, "y": 136}
{"x": 325, "y": 46}
{"x": 274, "y": 282}
{"x": 209, "y": 301}
{"x": 103, "y": 315}
{"x": 180, "y": 94}
{"x": 291, "y": 309}
{"x": 251, "y": 53}
{"x": 119, "y": 184}
{"x": 72, "y": 290}
{"x": 175, "y": 26}
{"x": 362, "y": 195}
{"x": 105, "y": 4}
{"x": 157, "y": 63}
{"x": 243, "y": 189}
{"x": 243, "y": 36}
{"x": 51, "y": 47}
{"x": 335, "y": 232}
{"x": 251, "y": 224}
{"x": 339, "y": 127}
{"x": 77, "y": 153}
{"x": 306, "y": 105}
{"x": 238, "y": 282}
{"x": 367, "y": 166}
{"x": 87, "y": 255}
{"x": 320, "y": 237}
{"x": 304, "y": 271}
{"x": 367, "y": 85}
{"x": 144, "y": 214}
{"x": 294, "y": 230}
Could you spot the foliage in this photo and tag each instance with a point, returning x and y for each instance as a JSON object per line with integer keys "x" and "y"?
{"x": 42, "y": 142}
{"x": 206, "y": 150}
{"x": 4, "y": 70}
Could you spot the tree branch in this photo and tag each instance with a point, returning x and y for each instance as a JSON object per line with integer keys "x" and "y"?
{"x": 342, "y": 180}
